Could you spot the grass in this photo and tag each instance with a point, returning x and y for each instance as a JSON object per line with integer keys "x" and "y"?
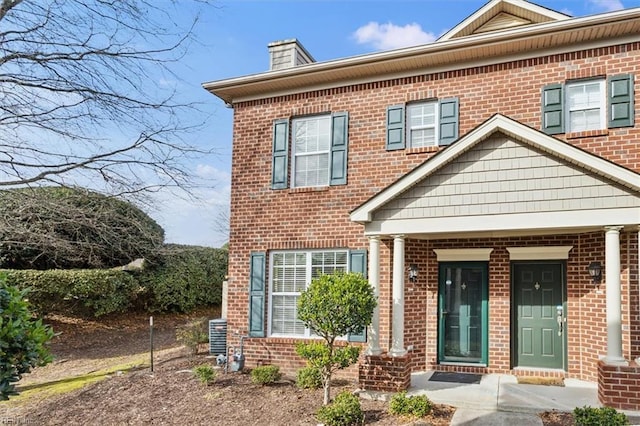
{"x": 57, "y": 387}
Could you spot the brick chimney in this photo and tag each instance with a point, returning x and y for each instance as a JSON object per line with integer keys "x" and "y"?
{"x": 287, "y": 54}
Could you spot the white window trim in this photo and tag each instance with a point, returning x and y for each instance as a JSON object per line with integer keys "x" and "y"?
{"x": 466, "y": 254}
{"x": 539, "y": 253}
{"x": 307, "y": 333}
{"x": 603, "y": 103}
{"x": 435, "y": 126}
{"x": 295, "y": 155}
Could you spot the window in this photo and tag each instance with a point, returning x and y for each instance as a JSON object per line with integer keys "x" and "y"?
{"x": 318, "y": 154}
{"x": 422, "y": 129}
{"x": 583, "y": 105}
{"x": 586, "y": 103}
{"x": 291, "y": 272}
{"x": 312, "y": 149}
{"x": 432, "y": 123}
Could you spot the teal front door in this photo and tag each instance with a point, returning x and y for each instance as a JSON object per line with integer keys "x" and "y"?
{"x": 539, "y": 315}
{"x": 463, "y": 314}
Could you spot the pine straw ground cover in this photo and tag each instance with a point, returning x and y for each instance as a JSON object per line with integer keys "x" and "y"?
{"x": 101, "y": 376}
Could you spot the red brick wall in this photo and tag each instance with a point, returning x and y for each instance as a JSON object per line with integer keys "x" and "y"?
{"x": 619, "y": 386}
{"x": 263, "y": 219}
{"x": 384, "y": 373}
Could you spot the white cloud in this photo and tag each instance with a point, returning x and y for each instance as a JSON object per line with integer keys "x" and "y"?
{"x": 390, "y": 36}
{"x": 607, "y": 5}
{"x": 206, "y": 171}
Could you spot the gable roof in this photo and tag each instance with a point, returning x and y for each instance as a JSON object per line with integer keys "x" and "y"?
{"x": 515, "y": 130}
{"x": 502, "y": 14}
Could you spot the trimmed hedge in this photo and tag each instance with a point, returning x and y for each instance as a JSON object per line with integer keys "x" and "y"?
{"x": 185, "y": 277}
{"x": 79, "y": 291}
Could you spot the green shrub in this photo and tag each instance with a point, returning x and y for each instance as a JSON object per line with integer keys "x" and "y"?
{"x": 205, "y": 373}
{"x": 309, "y": 378}
{"x": 84, "y": 292}
{"x": 193, "y": 334}
{"x": 414, "y": 406}
{"x": 266, "y": 374}
{"x": 183, "y": 278}
{"x": 589, "y": 416}
{"x": 345, "y": 410}
{"x": 23, "y": 339}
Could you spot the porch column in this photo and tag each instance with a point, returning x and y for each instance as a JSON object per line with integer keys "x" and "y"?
{"x": 638, "y": 359}
{"x": 374, "y": 280}
{"x": 614, "y": 309}
{"x": 397, "y": 330}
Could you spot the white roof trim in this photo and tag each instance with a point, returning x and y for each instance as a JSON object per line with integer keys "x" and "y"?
{"x": 463, "y": 255}
{"x": 293, "y": 77}
{"x": 498, "y": 6}
{"x": 514, "y": 129}
{"x": 539, "y": 253}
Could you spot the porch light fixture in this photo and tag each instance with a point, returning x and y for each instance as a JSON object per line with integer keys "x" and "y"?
{"x": 595, "y": 270}
{"x": 413, "y": 272}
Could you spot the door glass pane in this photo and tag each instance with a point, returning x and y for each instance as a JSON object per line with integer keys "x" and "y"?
{"x": 461, "y": 312}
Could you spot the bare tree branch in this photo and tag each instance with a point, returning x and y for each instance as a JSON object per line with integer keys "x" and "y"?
{"x": 81, "y": 98}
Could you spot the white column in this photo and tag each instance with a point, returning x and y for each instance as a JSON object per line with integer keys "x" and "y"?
{"x": 374, "y": 280}
{"x": 397, "y": 329}
{"x": 638, "y": 359}
{"x": 614, "y": 299}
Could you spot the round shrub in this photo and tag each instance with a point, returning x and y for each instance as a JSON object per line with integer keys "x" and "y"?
{"x": 205, "y": 373}
{"x": 265, "y": 374}
{"x": 345, "y": 410}
{"x": 589, "y": 416}
{"x": 63, "y": 228}
{"x": 309, "y": 378}
{"x": 413, "y": 406}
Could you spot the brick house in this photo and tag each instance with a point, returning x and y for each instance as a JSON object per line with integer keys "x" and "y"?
{"x": 488, "y": 185}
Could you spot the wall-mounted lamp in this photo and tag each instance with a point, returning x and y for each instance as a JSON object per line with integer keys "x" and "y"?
{"x": 595, "y": 271}
{"x": 413, "y": 272}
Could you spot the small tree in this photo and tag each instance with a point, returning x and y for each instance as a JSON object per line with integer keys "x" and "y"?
{"x": 334, "y": 305}
{"x": 22, "y": 339}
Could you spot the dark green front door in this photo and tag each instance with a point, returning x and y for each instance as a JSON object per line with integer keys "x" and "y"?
{"x": 539, "y": 314}
{"x": 463, "y": 312}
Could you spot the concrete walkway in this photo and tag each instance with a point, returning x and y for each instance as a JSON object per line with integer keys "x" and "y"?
{"x": 499, "y": 400}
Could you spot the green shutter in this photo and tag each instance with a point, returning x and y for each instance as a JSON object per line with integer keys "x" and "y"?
{"x": 448, "y": 121}
{"x": 339, "y": 148}
{"x": 280, "y": 163}
{"x": 257, "y": 294}
{"x": 620, "y": 101}
{"x": 395, "y": 127}
{"x": 552, "y": 109}
{"x": 358, "y": 263}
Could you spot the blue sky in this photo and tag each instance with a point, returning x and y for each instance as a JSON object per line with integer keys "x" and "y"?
{"x": 234, "y": 35}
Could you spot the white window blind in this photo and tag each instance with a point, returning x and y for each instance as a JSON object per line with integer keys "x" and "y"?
{"x": 291, "y": 273}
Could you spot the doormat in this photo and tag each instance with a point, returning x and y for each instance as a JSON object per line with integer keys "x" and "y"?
{"x": 446, "y": 376}
{"x": 546, "y": 381}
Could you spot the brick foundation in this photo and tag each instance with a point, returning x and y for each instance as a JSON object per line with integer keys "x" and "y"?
{"x": 385, "y": 373}
{"x": 619, "y": 386}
